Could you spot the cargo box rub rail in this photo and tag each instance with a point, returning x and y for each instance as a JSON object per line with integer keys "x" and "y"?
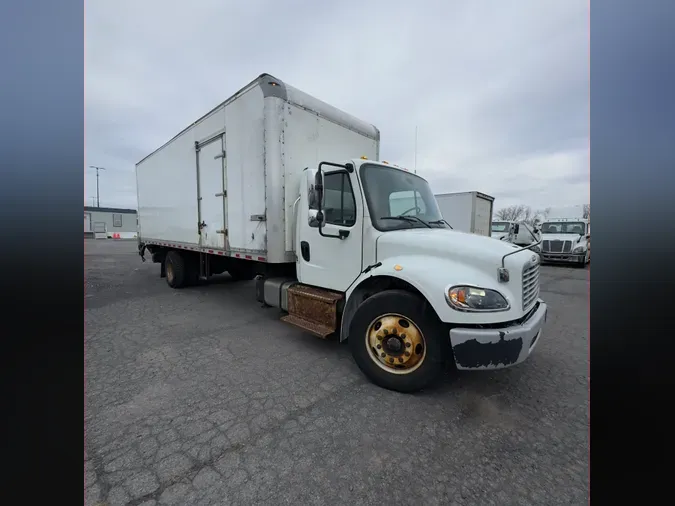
{"x": 142, "y": 246}
{"x": 349, "y": 248}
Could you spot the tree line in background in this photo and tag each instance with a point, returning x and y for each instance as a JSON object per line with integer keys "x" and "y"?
{"x": 523, "y": 213}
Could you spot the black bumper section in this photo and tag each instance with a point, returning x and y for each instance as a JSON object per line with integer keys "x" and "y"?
{"x": 474, "y": 355}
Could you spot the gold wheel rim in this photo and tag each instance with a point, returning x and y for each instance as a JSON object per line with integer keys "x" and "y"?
{"x": 169, "y": 272}
{"x": 396, "y": 344}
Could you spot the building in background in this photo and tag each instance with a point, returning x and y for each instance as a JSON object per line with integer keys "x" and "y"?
{"x": 109, "y": 221}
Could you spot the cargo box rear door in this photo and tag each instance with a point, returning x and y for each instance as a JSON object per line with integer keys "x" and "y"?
{"x": 212, "y": 193}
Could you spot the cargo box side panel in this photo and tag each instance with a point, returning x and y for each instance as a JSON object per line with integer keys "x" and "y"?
{"x": 457, "y": 210}
{"x": 167, "y": 193}
{"x": 310, "y": 139}
{"x": 245, "y": 162}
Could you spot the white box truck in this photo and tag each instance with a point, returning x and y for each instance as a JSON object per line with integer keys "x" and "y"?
{"x": 277, "y": 185}
{"x": 469, "y": 212}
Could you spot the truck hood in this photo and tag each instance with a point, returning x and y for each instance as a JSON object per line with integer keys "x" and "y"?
{"x": 499, "y": 235}
{"x": 561, "y": 237}
{"x": 482, "y": 252}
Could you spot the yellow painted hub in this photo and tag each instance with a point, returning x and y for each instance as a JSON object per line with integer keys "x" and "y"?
{"x": 169, "y": 272}
{"x": 396, "y": 344}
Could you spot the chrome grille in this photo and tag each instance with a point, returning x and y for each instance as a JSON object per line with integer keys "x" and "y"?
{"x": 556, "y": 246}
{"x": 530, "y": 284}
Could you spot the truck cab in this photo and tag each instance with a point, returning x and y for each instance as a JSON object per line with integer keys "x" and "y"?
{"x": 501, "y": 229}
{"x": 566, "y": 240}
{"x": 517, "y": 232}
{"x": 404, "y": 289}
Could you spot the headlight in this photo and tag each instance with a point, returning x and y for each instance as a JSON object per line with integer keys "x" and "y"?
{"x": 536, "y": 249}
{"x": 579, "y": 249}
{"x": 469, "y": 298}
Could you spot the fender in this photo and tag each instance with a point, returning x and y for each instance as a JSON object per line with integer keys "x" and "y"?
{"x": 431, "y": 277}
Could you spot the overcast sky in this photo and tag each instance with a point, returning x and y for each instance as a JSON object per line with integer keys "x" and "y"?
{"x": 499, "y": 90}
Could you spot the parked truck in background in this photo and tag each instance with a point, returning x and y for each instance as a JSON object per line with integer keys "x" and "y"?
{"x": 566, "y": 240}
{"x": 469, "y": 212}
{"x": 517, "y": 232}
{"x": 276, "y": 185}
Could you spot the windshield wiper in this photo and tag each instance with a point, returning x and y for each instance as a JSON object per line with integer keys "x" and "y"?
{"x": 410, "y": 219}
{"x": 438, "y": 222}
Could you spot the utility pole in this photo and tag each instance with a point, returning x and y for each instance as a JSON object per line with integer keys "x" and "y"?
{"x": 98, "y": 200}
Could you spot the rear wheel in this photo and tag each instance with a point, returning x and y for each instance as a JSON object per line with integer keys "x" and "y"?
{"x": 174, "y": 268}
{"x": 397, "y": 341}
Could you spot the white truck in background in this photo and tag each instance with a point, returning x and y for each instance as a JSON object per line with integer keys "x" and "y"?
{"x": 469, "y": 212}
{"x": 277, "y": 185}
{"x": 517, "y": 232}
{"x": 566, "y": 240}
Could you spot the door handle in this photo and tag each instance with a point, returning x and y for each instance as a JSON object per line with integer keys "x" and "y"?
{"x": 304, "y": 249}
{"x": 201, "y": 225}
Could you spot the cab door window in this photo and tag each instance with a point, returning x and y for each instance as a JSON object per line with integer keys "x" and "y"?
{"x": 339, "y": 204}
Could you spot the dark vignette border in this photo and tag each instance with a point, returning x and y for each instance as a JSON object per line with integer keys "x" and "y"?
{"x": 41, "y": 272}
{"x": 632, "y": 182}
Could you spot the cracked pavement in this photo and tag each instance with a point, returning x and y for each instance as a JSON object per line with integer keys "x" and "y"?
{"x": 201, "y": 396}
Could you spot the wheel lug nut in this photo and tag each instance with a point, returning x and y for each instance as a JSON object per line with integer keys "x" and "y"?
{"x": 407, "y": 344}
{"x": 379, "y": 346}
{"x": 402, "y": 336}
{"x": 383, "y": 355}
{"x": 380, "y": 337}
{"x": 400, "y": 359}
{"x": 386, "y": 332}
{"x": 407, "y": 353}
{"x": 391, "y": 360}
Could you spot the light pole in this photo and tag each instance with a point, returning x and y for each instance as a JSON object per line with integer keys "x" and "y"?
{"x": 98, "y": 200}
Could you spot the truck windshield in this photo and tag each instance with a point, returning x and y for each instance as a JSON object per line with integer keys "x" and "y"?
{"x": 500, "y": 227}
{"x": 397, "y": 199}
{"x": 563, "y": 227}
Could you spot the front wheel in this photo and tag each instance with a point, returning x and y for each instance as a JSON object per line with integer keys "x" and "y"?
{"x": 397, "y": 341}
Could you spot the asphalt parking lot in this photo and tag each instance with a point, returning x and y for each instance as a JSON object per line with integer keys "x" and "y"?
{"x": 201, "y": 396}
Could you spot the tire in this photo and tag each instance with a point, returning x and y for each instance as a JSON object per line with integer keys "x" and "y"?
{"x": 387, "y": 309}
{"x": 174, "y": 265}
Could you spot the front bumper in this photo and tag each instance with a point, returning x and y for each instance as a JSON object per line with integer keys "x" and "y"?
{"x": 573, "y": 258}
{"x": 475, "y": 348}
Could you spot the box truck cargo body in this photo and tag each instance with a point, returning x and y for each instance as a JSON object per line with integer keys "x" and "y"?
{"x": 467, "y": 211}
{"x": 228, "y": 182}
{"x": 276, "y": 185}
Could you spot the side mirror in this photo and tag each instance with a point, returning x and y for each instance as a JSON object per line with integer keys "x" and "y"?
{"x": 516, "y": 228}
{"x": 318, "y": 185}
{"x": 318, "y": 191}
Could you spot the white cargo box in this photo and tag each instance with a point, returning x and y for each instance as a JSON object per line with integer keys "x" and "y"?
{"x": 227, "y": 184}
{"x": 467, "y": 211}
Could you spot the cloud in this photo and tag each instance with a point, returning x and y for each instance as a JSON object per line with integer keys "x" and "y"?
{"x": 498, "y": 91}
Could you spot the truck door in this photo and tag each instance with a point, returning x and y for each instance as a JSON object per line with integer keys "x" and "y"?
{"x": 212, "y": 193}
{"x": 330, "y": 256}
